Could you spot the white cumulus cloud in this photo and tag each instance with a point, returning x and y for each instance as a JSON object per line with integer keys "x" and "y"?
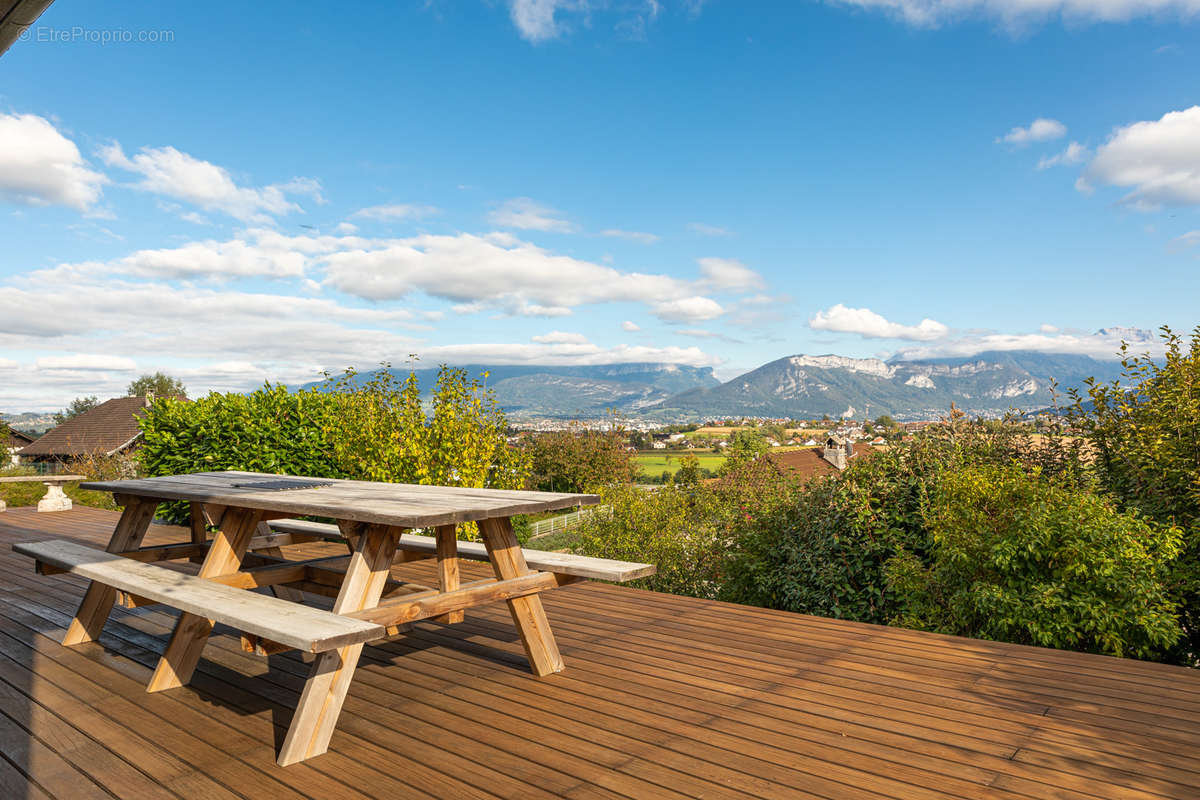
{"x": 84, "y": 361}
{"x": 629, "y": 326}
{"x": 535, "y": 19}
{"x": 389, "y": 213}
{"x": 708, "y": 230}
{"x": 687, "y": 309}
{"x": 1014, "y": 13}
{"x": 1075, "y": 153}
{"x": 525, "y": 214}
{"x": 169, "y": 172}
{"x": 1103, "y": 344}
{"x": 634, "y": 236}
{"x": 560, "y": 337}
{"x": 538, "y": 21}
{"x": 728, "y": 273}
{"x": 1157, "y": 160}
{"x": 1040, "y": 130}
{"x": 496, "y": 270}
{"x": 868, "y": 324}
{"x": 41, "y": 167}
{"x": 1184, "y": 242}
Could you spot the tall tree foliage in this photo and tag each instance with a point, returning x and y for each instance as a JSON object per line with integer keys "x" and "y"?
{"x": 1145, "y": 430}
{"x": 580, "y": 459}
{"x": 76, "y": 407}
{"x": 744, "y": 445}
{"x": 159, "y": 384}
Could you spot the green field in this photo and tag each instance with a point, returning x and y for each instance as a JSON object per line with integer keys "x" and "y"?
{"x": 655, "y": 463}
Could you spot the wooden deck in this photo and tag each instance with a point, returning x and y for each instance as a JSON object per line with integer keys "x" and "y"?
{"x": 663, "y": 697}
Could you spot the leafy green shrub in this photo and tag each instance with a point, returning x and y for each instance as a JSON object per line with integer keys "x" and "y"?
{"x": 1017, "y": 559}
{"x": 683, "y": 531}
{"x": 377, "y": 430}
{"x": 825, "y": 553}
{"x": 686, "y": 529}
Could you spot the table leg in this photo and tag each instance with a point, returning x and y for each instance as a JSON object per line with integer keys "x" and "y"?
{"x": 98, "y": 601}
{"x": 508, "y": 561}
{"x": 199, "y": 528}
{"x": 191, "y": 632}
{"x": 447, "y": 559}
{"x": 321, "y": 702}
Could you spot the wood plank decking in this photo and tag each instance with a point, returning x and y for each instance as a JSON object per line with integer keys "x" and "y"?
{"x": 662, "y": 697}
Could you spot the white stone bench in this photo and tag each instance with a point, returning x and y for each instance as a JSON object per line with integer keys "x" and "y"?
{"x": 55, "y": 498}
{"x": 308, "y": 629}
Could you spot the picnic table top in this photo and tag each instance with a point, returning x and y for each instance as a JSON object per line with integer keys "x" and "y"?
{"x": 403, "y": 504}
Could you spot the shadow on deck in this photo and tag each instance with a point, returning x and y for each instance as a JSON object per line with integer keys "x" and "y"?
{"x": 663, "y": 696}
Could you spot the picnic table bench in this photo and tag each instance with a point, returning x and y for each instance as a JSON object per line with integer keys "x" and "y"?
{"x": 251, "y": 517}
{"x": 55, "y": 498}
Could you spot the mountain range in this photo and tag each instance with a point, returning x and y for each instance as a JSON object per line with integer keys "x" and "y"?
{"x": 525, "y": 391}
{"x": 798, "y": 386}
{"x": 805, "y": 386}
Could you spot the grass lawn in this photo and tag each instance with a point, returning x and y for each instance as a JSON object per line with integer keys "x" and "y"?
{"x": 655, "y": 463}
{"x": 559, "y": 540}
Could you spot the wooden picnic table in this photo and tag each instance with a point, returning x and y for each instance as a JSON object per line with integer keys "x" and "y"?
{"x": 248, "y": 515}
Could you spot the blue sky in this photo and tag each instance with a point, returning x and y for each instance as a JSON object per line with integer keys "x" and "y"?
{"x": 239, "y": 193}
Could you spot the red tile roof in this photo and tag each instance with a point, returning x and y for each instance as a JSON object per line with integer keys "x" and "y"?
{"x": 804, "y": 463}
{"x": 809, "y": 462}
{"x": 108, "y": 428}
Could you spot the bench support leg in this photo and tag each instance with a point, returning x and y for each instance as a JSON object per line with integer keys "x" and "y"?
{"x": 98, "y": 601}
{"x": 527, "y": 612}
{"x": 447, "y": 559}
{"x": 179, "y": 660}
{"x": 321, "y": 702}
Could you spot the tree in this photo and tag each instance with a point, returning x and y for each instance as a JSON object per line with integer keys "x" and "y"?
{"x": 1144, "y": 429}
{"x": 75, "y": 408}
{"x": 885, "y": 421}
{"x": 159, "y": 385}
{"x": 775, "y": 431}
{"x": 580, "y": 459}
{"x": 745, "y": 445}
{"x": 688, "y": 473}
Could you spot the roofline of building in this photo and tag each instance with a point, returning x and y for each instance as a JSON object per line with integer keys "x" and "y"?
{"x": 19, "y": 19}
{"x": 136, "y": 436}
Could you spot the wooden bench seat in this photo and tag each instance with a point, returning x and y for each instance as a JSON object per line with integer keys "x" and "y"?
{"x": 291, "y": 624}
{"x": 603, "y": 569}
